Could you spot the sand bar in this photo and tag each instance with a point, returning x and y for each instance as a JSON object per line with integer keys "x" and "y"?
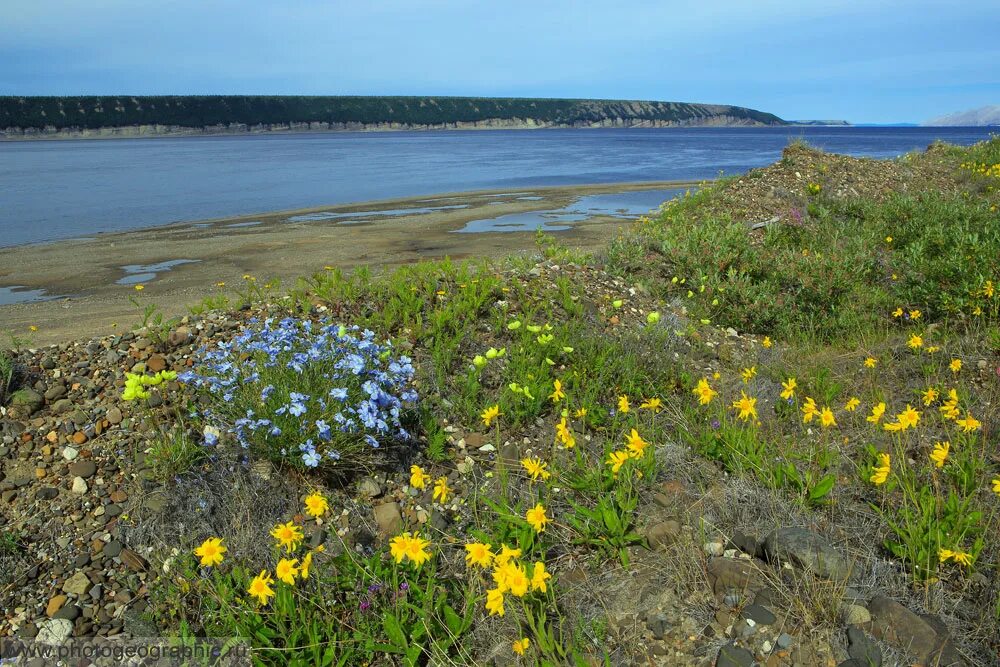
{"x": 180, "y": 264}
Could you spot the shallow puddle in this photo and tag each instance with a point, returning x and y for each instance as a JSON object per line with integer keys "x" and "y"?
{"x": 143, "y": 273}
{"x": 21, "y": 294}
{"x": 625, "y": 205}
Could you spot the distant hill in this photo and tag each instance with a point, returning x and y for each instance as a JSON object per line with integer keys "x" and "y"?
{"x": 819, "y": 122}
{"x": 127, "y": 115}
{"x": 980, "y": 117}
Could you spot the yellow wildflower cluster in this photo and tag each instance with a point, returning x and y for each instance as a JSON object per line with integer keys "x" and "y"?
{"x": 136, "y": 384}
{"x": 982, "y": 169}
{"x": 510, "y": 577}
{"x": 410, "y": 547}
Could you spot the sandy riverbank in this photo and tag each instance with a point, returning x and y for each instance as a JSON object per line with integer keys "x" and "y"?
{"x": 270, "y": 246}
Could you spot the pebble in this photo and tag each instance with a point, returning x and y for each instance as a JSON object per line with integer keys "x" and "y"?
{"x": 79, "y": 486}
{"x": 70, "y": 453}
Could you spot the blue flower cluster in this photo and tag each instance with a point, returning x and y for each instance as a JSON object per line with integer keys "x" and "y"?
{"x": 310, "y": 393}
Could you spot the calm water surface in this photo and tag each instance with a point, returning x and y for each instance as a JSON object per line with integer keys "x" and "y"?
{"x": 53, "y": 190}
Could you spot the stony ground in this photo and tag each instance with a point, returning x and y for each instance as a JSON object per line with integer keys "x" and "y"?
{"x": 734, "y": 575}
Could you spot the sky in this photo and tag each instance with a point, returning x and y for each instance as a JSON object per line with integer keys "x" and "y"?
{"x": 875, "y": 61}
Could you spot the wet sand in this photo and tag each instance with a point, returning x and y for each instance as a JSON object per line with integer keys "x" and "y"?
{"x": 269, "y": 246}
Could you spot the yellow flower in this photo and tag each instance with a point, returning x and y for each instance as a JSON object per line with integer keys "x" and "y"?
{"x": 877, "y": 412}
{"x": 536, "y": 517}
{"x": 33, "y": 328}
{"x": 788, "y": 388}
{"x": 306, "y": 564}
{"x": 558, "y": 394}
{"x": 931, "y": 349}
{"x": 535, "y": 468}
{"x": 988, "y": 289}
{"x": 139, "y": 288}
{"x": 955, "y": 365}
{"x": 288, "y": 535}
{"x": 826, "y": 418}
{"x": 512, "y": 578}
{"x": 809, "y": 410}
{"x": 623, "y": 405}
{"x": 581, "y": 413}
{"x": 704, "y": 392}
{"x": 898, "y": 312}
{"x": 881, "y": 472}
{"x": 260, "y": 587}
{"x": 930, "y": 395}
{"x": 748, "y": 374}
{"x": 616, "y": 460}
{"x": 316, "y": 505}
{"x": 871, "y": 362}
{"x": 416, "y": 550}
{"x": 479, "y": 554}
{"x": 908, "y": 418}
{"x": 969, "y": 424}
{"x": 716, "y": 375}
{"x": 506, "y": 555}
{"x": 441, "y": 489}
{"x": 915, "y": 342}
{"x": 490, "y": 413}
{"x": 210, "y": 552}
{"x": 996, "y": 485}
{"x": 564, "y": 435}
{"x": 538, "y": 577}
{"x": 653, "y": 404}
{"x": 767, "y": 342}
{"x": 915, "y": 314}
{"x": 494, "y": 602}
{"x": 635, "y": 444}
{"x": 287, "y": 569}
{"x": 940, "y": 453}
{"x": 962, "y": 558}
{"x": 418, "y": 478}
{"x": 747, "y": 407}
{"x": 521, "y": 645}
{"x": 852, "y": 404}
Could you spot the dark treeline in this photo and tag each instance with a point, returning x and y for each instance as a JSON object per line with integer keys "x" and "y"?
{"x": 201, "y": 110}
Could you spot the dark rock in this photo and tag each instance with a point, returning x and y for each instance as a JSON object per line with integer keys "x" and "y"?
{"x": 658, "y": 623}
{"x": 731, "y": 655}
{"x": 70, "y": 612}
{"x": 133, "y": 560}
{"x": 807, "y": 550}
{"x": 84, "y": 468}
{"x": 760, "y": 615}
{"x": 863, "y": 649}
{"x": 55, "y": 392}
{"x": 62, "y": 405}
{"x": 727, "y": 574}
{"x": 26, "y": 402}
{"x": 896, "y": 625}
{"x": 46, "y": 493}
{"x": 663, "y": 533}
{"x": 112, "y": 548}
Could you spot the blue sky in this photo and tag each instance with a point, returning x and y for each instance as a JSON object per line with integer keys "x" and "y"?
{"x": 874, "y": 61}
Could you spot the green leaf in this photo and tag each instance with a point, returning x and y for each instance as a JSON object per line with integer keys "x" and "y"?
{"x": 393, "y": 631}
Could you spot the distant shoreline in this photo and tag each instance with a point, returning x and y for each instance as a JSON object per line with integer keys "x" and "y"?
{"x": 157, "y": 131}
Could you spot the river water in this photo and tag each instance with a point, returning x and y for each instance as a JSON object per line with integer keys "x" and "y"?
{"x": 60, "y": 189}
